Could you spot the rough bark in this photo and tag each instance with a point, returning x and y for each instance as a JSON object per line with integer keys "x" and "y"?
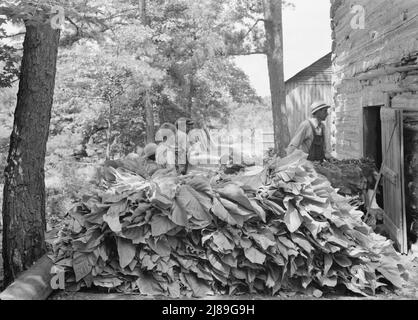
{"x": 149, "y": 110}
{"x": 149, "y": 117}
{"x": 24, "y": 192}
{"x": 274, "y": 42}
{"x": 109, "y": 135}
{"x": 143, "y": 9}
{"x": 190, "y": 96}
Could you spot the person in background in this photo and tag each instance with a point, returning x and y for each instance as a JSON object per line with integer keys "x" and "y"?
{"x": 311, "y": 136}
{"x": 149, "y": 162}
{"x": 183, "y": 126}
{"x": 165, "y": 152}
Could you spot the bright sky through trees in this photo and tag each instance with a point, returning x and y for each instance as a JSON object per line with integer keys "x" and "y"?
{"x": 307, "y": 37}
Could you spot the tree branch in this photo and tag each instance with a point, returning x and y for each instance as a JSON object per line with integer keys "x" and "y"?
{"x": 13, "y": 35}
{"x": 119, "y": 14}
{"x": 74, "y": 24}
{"x": 249, "y": 53}
{"x": 252, "y": 28}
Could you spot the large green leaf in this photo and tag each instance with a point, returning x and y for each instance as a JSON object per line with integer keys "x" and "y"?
{"x": 302, "y": 242}
{"x": 161, "y": 225}
{"x": 391, "y": 272}
{"x": 259, "y": 210}
{"x": 91, "y": 239}
{"x": 82, "y": 265}
{"x": 187, "y": 205}
{"x": 174, "y": 289}
{"x": 159, "y": 199}
{"x": 292, "y": 218}
{"x": 113, "y": 214}
{"x": 254, "y": 255}
{"x": 201, "y": 184}
{"x": 160, "y": 246}
{"x": 236, "y": 209}
{"x": 199, "y": 287}
{"x": 222, "y": 242}
{"x": 107, "y": 282}
{"x": 234, "y": 193}
{"x": 217, "y": 264}
{"x": 147, "y": 285}
{"x": 137, "y": 234}
{"x": 112, "y": 197}
{"x": 262, "y": 241}
{"x": 219, "y": 210}
{"x": 126, "y": 251}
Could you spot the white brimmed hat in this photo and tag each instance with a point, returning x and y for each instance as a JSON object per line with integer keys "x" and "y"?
{"x": 150, "y": 149}
{"x": 318, "y": 105}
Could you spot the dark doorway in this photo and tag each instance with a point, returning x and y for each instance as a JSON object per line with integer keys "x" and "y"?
{"x": 372, "y": 129}
{"x": 410, "y": 121}
{"x": 372, "y": 141}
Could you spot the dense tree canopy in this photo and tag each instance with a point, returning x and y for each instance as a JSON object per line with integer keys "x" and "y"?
{"x": 109, "y": 59}
{"x": 123, "y": 68}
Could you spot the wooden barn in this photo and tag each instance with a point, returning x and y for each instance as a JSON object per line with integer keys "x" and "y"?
{"x": 375, "y": 84}
{"x": 311, "y": 84}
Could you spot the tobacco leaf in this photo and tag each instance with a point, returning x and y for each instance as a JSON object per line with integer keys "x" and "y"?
{"x": 234, "y": 193}
{"x": 254, "y": 255}
{"x": 207, "y": 234}
{"x": 219, "y": 210}
{"x": 292, "y": 218}
{"x": 161, "y": 225}
{"x": 126, "y": 251}
{"x": 113, "y": 214}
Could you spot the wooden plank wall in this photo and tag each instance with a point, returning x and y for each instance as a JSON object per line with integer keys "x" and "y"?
{"x": 366, "y": 63}
{"x": 299, "y": 97}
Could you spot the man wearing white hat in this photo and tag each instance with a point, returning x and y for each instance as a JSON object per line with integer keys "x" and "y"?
{"x": 311, "y": 135}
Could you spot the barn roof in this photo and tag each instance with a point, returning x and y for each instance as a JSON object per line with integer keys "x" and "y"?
{"x": 319, "y": 72}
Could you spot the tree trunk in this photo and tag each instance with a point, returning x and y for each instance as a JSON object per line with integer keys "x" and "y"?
{"x": 24, "y": 191}
{"x": 149, "y": 117}
{"x": 274, "y": 37}
{"x": 190, "y": 96}
{"x": 143, "y": 10}
{"x": 108, "y": 136}
{"x": 149, "y": 110}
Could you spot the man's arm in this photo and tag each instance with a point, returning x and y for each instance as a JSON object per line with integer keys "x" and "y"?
{"x": 298, "y": 139}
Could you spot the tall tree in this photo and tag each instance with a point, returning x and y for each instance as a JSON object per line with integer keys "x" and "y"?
{"x": 250, "y": 37}
{"x": 24, "y": 192}
{"x": 274, "y": 46}
{"x": 149, "y": 110}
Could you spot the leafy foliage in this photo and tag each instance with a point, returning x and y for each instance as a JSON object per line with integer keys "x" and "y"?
{"x": 107, "y": 60}
{"x": 198, "y": 235}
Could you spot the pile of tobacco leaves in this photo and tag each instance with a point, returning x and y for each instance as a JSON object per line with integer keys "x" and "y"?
{"x": 281, "y": 228}
{"x": 350, "y": 176}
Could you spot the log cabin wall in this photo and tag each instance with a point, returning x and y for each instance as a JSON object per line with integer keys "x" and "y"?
{"x": 311, "y": 84}
{"x": 369, "y": 63}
